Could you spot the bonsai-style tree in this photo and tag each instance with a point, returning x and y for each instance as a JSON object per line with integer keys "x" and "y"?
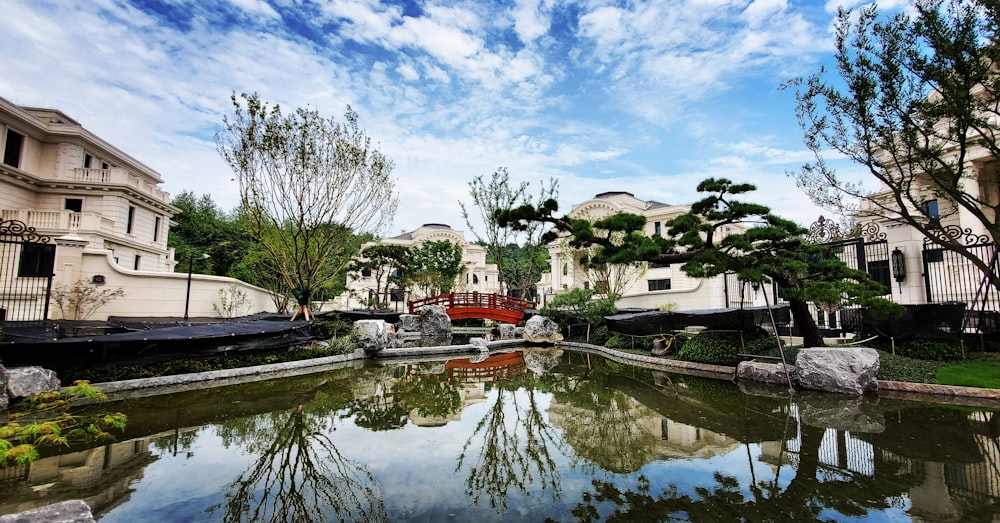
{"x": 772, "y": 248}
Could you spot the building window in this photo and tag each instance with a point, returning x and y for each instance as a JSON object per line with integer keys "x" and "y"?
{"x": 137, "y": 262}
{"x": 878, "y": 270}
{"x": 659, "y": 285}
{"x": 475, "y": 279}
{"x": 37, "y": 260}
{"x": 87, "y": 161}
{"x": 74, "y": 204}
{"x": 366, "y": 273}
{"x": 565, "y": 269}
{"x": 12, "y": 148}
{"x": 156, "y": 229}
{"x": 930, "y": 208}
{"x": 656, "y": 228}
{"x": 586, "y": 285}
{"x": 131, "y": 220}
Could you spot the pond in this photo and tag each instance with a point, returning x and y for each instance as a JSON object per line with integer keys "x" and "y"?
{"x": 527, "y": 435}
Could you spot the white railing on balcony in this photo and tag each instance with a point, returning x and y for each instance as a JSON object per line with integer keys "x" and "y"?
{"x": 116, "y": 176}
{"x": 60, "y": 220}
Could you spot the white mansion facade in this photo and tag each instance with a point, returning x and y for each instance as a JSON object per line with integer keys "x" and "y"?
{"x": 105, "y": 213}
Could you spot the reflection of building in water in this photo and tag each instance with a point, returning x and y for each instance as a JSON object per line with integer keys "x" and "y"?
{"x": 623, "y": 434}
{"x": 954, "y": 471}
{"x": 99, "y": 476}
{"x": 468, "y": 376}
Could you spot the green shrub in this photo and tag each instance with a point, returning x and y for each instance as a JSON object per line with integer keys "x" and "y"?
{"x": 932, "y": 350}
{"x": 618, "y": 342}
{"x": 712, "y": 347}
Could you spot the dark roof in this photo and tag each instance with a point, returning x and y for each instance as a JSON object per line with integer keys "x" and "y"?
{"x": 613, "y": 193}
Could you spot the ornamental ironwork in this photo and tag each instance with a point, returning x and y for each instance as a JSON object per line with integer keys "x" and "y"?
{"x": 871, "y": 232}
{"x": 823, "y": 230}
{"x": 21, "y": 230}
{"x": 956, "y": 234}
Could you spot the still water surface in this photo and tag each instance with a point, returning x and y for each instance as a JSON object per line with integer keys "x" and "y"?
{"x": 534, "y": 435}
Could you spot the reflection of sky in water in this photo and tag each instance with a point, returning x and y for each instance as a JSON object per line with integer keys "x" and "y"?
{"x": 416, "y": 467}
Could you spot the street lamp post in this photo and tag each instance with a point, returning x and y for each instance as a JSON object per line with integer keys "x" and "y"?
{"x": 187, "y": 300}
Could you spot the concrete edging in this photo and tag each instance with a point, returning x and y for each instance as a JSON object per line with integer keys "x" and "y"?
{"x": 168, "y": 384}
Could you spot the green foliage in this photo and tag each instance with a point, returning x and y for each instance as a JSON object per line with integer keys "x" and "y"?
{"x": 934, "y": 350}
{"x": 900, "y": 368}
{"x": 983, "y": 374}
{"x": 309, "y": 186}
{"x": 763, "y": 247}
{"x": 434, "y": 266}
{"x": 201, "y": 227}
{"x": 387, "y": 266}
{"x": 712, "y": 347}
{"x": 46, "y": 420}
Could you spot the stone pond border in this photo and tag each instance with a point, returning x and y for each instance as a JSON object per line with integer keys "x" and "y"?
{"x": 969, "y": 396}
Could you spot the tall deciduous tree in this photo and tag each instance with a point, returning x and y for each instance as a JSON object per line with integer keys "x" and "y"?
{"x": 916, "y": 105}
{"x": 434, "y": 265}
{"x": 774, "y": 248}
{"x": 493, "y": 196}
{"x": 307, "y": 185}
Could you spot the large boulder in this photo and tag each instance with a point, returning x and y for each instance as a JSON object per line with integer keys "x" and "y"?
{"x": 507, "y": 331}
{"x": 408, "y": 323}
{"x": 372, "y": 335}
{"x": 74, "y": 511}
{"x": 435, "y": 322}
{"x": 857, "y": 414}
{"x": 847, "y": 370}
{"x": 774, "y": 373}
{"x": 23, "y": 382}
{"x": 539, "y": 329}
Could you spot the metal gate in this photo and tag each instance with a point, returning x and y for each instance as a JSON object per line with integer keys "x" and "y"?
{"x": 27, "y": 261}
{"x": 951, "y": 277}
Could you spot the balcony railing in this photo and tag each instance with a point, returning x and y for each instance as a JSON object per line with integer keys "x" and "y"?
{"x": 117, "y": 176}
{"x": 60, "y": 220}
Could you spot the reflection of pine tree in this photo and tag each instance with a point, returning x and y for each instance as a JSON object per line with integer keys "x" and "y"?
{"x": 301, "y": 476}
{"x": 513, "y": 455}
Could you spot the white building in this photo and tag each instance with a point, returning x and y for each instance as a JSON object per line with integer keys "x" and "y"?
{"x": 476, "y": 276}
{"x": 648, "y": 286}
{"x": 106, "y": 215}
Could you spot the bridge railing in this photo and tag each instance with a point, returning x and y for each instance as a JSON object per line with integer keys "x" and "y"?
{"x": 462, "y": 300}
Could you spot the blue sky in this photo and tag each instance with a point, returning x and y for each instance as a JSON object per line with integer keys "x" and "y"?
{"x": 644, "y": 97}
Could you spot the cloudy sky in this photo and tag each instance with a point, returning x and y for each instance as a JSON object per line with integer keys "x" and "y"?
{"x": 645, "y": 97}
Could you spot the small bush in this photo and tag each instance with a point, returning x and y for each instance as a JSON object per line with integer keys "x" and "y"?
{"x": 618, "y": 342}
{"x": 712, "y": 347}
{"x": 932, "y": 350}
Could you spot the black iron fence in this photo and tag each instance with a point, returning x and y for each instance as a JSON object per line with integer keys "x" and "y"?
{"x": 27, "y": 263}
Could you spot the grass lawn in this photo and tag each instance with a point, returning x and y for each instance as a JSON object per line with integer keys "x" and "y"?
{"x": 984, "y": 374}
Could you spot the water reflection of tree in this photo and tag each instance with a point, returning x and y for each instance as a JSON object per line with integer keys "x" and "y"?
{"x": 516, "y": 453}
{"x": 605, "y": 428}
{"x": 390, "y": 407}
{"x": 806, "y": 497}
{"x": 300, "y": 475}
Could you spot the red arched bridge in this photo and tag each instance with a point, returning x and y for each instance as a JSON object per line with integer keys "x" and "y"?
{"x": 460, "y": 305}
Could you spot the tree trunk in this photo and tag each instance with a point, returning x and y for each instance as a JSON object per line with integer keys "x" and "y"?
{"x": 811, "y": 336}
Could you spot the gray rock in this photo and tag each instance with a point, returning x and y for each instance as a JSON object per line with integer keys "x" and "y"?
{"x": 23, "y": 382}
{"x": 435, "y": 321}
{"x": 765, "y": 372}
{"x": 838, "y": 369}
{"x": 857, "y": 414}
{"x": 372, "y": 335}
{"x": 75, "y": 511}
{"x": 539, "y": 329}
{"x": 408, "y": 323}
{"x": 541, "y": 360}
{"x": 3, "y": 388}
{"x": 507, "y": 331}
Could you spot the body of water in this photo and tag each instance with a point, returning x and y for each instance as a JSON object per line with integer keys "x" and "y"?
{"x": 532, "y": 435}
